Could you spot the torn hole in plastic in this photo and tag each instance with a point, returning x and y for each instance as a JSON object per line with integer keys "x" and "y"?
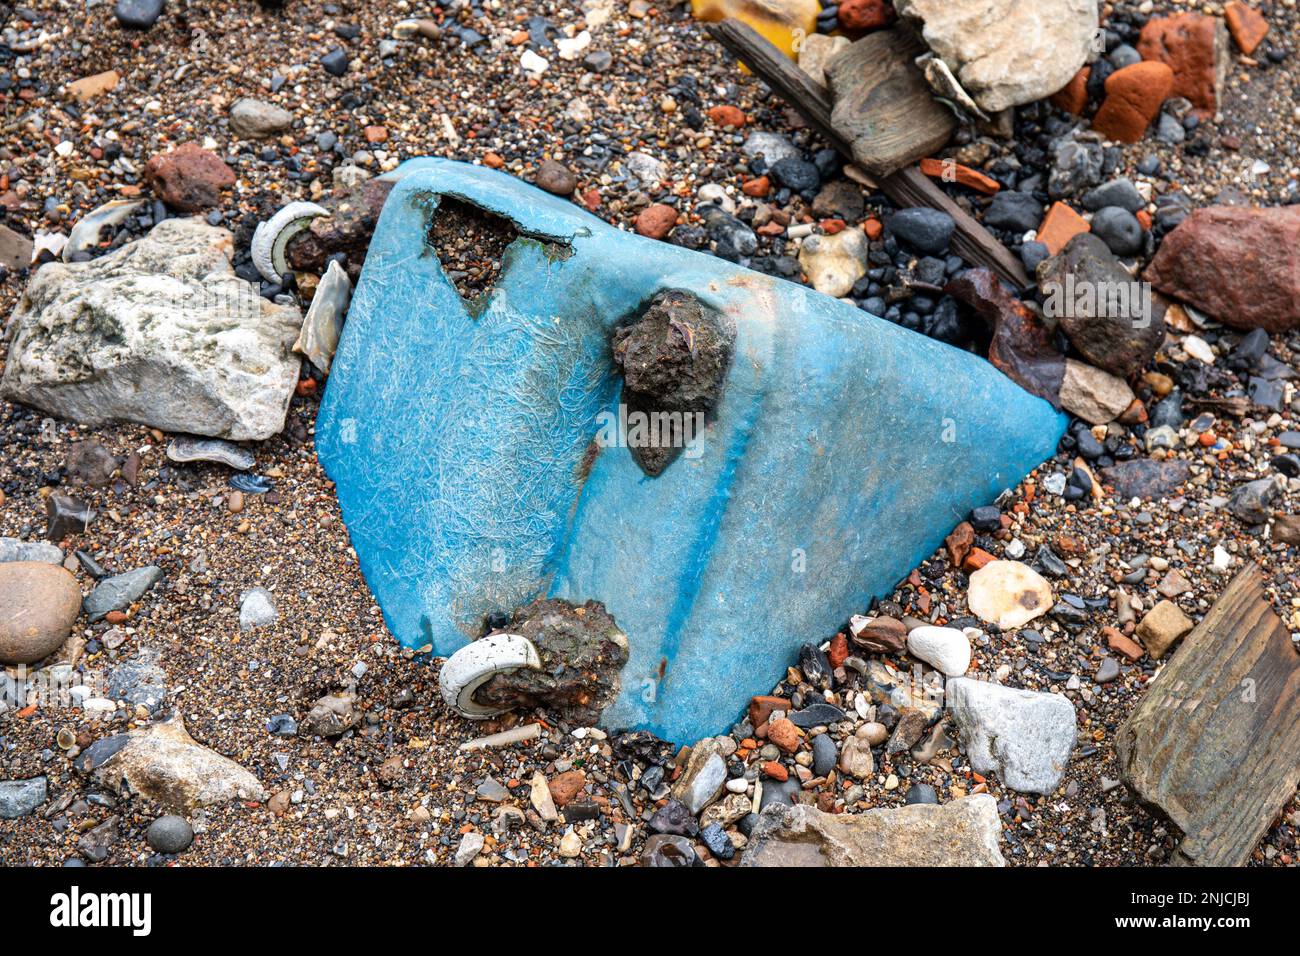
{"x": 473, "y": 245}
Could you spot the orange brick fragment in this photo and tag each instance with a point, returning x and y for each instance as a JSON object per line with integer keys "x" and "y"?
{"x": 1120, "y": 644}
{"x": 1247, "y": 25}
{"x": 948, "y": 171}
{"x": 774, "y": 770}
{"x": 728, "y": 116}
{"x": 1073, "y": 97}
{"x": 1133, "y": 98}
{"x": 1060, "y": 225}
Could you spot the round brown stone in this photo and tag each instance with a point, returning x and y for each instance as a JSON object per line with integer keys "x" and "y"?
{"x": 656, "y": 221}
{"x": 40, "y": 601}
{"x": 189, "y": 178}
{"x": 556, "y": 178}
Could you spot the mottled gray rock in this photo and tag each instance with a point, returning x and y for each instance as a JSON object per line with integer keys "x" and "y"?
{"x": 702, "y": 781}
{"x": 1023, "y": 736}
{"x": 1253, "y": 501}
{"x": 1007, "y": 52}
{"x": 140, "y": 681}
{"x": 964, "y": 832}
{"x": 160, "y": 332}
{"x": 257, "y": 119}
{"x": 163, "y": 763}
{"x": 1114, "y": 322}
{"x": 15, "y": 549}
{"x": 20, "y": 797}
{"x": 1077, "y": 162}
{"x": 120, "y": 591}
{"x": 256, "y": 609}
{"x": 170, "y": 834}
{"x": 773, "y": 146}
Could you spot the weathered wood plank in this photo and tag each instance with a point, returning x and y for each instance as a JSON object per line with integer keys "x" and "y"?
{"x": 907, "y": 187}
{"x": 882, "y": 104}
{"x": 1214, "y": 745}
{"x": 811, "y": 100}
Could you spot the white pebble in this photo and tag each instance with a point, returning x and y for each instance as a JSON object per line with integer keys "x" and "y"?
{"x": 946, "y": 648}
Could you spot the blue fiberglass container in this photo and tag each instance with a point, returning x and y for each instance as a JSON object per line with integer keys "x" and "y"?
{"x": 843, "y": 449}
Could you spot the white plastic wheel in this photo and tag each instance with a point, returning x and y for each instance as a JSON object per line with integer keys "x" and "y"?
{"x": 475, "y": 664}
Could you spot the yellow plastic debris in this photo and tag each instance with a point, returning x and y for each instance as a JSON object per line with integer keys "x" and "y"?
{"x": 784, "y": 23}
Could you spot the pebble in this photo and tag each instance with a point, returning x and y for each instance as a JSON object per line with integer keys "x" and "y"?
{"x": 945, "y": 648}
{"x": 570, "y": 844}
{"x": 41, "y": 601}
{"x": 1119, "y": 229}
{"x": 1009, "y": 594}
{"x": 471, "y": 844}
{"x": 258, "y": 119}
{"x": 555, "y": 178}
{"x": 121, "y": 591}
{"x": 1107, "y": 670}
{"x": 137, "y": 14}
{"x": 335, "y": 62}
{"x": 825, "y": 755}
{"x": 926, "y": 230}
{"x": 170, "y": 834}
{"x": 256, "y": 609}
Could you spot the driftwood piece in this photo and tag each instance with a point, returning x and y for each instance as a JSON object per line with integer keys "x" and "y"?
{"x": 882, "y": 104}
{"x": 1214, "y": 745}
{"x": 907, "y": 187}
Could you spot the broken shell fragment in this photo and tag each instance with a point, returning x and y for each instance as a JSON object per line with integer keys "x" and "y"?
{"x": 947, "y": 87}
{"x": 85, "y": 234}
{"x": 185, "y": 449}
{"x": 324, "y": 322}
{"x": 475, "y": 664}
{"x": 272, "y": 236}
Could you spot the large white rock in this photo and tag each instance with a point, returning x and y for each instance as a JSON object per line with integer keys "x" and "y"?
{"x": 964, "y": 832}
{"x": 160, "y": 332}
{"x": 1007, "y": 52}
{"x": 945, "y": 648}
{"x": 1008, "y": 594}
{"x": 163, "y": 763}
{"x": 1021, "y": 735}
